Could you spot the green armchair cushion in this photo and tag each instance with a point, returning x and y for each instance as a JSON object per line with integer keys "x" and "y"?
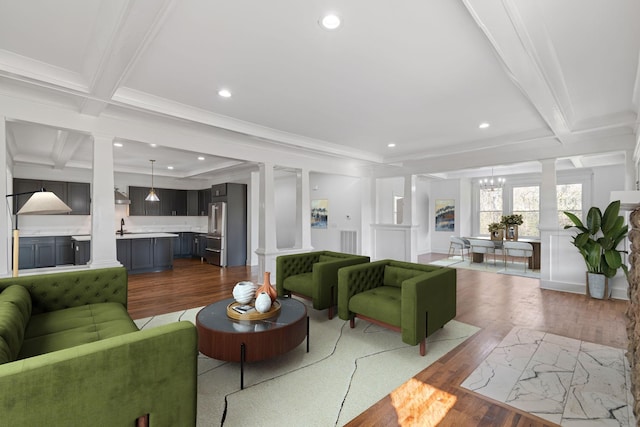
{"x": 74, "y": 326}
{"x": 394, "y": 276}
{"x": 381, "y": 303}
{"x": 300, "y": 283}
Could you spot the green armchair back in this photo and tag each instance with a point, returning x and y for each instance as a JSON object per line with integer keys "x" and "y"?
{"x": 313, "y": 275}
{"x": 417, "y": 299}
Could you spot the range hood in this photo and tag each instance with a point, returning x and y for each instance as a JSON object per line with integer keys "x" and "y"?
{"x": 121, "y": 199}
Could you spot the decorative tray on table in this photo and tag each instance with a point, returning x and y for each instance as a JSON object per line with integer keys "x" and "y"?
{"x": 234, "y": 312}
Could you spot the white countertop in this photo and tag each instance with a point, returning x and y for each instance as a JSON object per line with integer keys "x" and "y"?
{"x": 87, "y": 237}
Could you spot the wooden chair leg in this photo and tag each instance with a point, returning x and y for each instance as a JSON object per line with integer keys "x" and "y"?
{"x": 423, "y": 347}
{"x": 143, "y": 421}
{"x": 352, "y": 323}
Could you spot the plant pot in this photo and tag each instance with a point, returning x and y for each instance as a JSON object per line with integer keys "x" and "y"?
{"x": 598, "y": 286}
{"x": 497, "y": 235}
{"x": 512, "y": 233}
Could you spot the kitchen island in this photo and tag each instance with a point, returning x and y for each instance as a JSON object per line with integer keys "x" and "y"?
{"x": 138, "y": 252}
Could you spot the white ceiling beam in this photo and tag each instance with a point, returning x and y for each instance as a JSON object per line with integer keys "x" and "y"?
{"x": 116, "y": 50}
{"x": 576, "y": 161}
{"x": 58, "y": 148}
{"x": 217, "y": 167}
{"x": 65, "y": 147}
{"x": 528, "y": 57}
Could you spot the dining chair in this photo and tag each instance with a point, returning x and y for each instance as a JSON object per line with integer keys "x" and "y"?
{"x": 518, "y": 250}
{"x": 484, "y": 247}
{"x": 458, "y": 243}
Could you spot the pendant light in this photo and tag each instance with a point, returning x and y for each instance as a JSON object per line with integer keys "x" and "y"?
{"x": 152, "y": 196}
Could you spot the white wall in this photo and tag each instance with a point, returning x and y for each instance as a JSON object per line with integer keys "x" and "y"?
{"x": 446, "y": 189}
{"x": 345, "y": 204}
{"x": 423, "y": 214}
{"x": 386, "y": 189}
{"x": 285, "y": 209}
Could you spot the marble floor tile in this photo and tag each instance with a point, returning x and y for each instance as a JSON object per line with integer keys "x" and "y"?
{"x": 563, "y": 380}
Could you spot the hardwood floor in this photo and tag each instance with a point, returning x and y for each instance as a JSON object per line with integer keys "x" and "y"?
{"x": 494, "y": 302}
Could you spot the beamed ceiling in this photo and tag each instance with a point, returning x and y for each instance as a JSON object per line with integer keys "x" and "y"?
{"x": 554, "y": 79}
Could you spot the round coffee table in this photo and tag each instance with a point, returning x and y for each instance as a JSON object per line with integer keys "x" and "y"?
{"x": 224, "y": 338}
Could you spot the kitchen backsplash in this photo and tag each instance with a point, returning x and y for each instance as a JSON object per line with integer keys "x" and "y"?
{"x": 67, "y": 225}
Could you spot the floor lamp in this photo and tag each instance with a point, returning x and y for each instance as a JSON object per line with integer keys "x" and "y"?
{"x": 41, "y": 202}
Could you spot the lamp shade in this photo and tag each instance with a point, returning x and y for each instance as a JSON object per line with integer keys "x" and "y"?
{"x": 152, "y": 196}
{"x": 44, "y": 203}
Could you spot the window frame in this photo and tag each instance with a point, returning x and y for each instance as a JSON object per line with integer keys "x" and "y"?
{"x": 583, "y": 177}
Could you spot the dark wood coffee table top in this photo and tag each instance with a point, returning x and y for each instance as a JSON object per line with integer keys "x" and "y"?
{"x": 222, "y": 337}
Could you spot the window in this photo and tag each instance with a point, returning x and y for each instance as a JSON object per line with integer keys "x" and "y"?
{"x": 490, "y": 208}
{"x": 569, "y": 199}
{"x": 526, "y": 202}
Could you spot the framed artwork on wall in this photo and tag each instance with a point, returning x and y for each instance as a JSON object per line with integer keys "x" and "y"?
{"x": 445, "y": 214}
{"x": 319, "y": 213}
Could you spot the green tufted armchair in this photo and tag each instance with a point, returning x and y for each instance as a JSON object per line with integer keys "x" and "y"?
{"x": 414, "y": 299}
{"x": 313, "y": 275}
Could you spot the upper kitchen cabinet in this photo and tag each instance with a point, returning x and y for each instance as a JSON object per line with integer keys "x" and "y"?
{"x": 172, "y": 202}
{"x": 204, "y": 198}
{"x": 77, "y": 195}
{"x": 219, "y": 190}
{"x": 192, "y": 203}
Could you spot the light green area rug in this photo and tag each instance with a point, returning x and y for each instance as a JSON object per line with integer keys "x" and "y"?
{"x": 511, "y": 268}
{"x": 345, "y": 372}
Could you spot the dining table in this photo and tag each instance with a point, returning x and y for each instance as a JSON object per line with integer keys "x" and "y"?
{"x": 534, "y": 261}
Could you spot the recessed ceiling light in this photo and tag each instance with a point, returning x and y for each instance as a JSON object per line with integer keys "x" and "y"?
{"x": 484, "y": 125}
{"x": 153, "y": 145}
{"x": 391, "y": 145}
{"x": 200, "y": 158}
{"x": 225, "y": 93}
{"x": 170, "y": 167}
{"x": 117, "y": 144}
{"x": 330, "y": 21}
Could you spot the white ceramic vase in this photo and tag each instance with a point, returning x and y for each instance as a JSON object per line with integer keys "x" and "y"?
{"x": 243, "y": 292}
{"x": 263, "y": 302}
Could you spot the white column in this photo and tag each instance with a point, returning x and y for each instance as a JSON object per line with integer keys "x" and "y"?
{"x": 103, "y": 210}
{"x": 548, "y": 225}
{"x": 409, "y": 216}
{"x": 367, "y": 213}
{"x": 254, "y": 227}
{"x": 267, "y": 249}
{"x": 630, "y": 171}
{"x": 548, "y": 196}
{"x": 5, "y": 212}
{"x": 303, "y": 210}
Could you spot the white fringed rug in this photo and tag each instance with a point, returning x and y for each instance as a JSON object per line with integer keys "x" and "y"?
{"x": 345, "y": 372}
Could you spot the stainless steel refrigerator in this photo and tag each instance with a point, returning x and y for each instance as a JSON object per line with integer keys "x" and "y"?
{"x": 217, "y": 235}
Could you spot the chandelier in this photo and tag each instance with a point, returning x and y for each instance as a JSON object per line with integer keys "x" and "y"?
{"x": 492, "y": 184}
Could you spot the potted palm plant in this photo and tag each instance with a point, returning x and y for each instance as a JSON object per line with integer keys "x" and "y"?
{"x": 597, "y": 241}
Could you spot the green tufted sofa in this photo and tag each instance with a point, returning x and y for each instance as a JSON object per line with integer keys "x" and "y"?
{"x": 415, "y": 299}
{"x": 313, "y": 275}
{"x": 70, "y": 355}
